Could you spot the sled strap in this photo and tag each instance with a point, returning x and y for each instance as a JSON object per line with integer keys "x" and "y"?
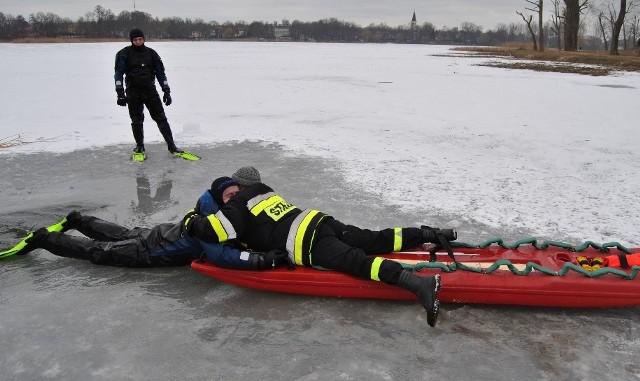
{"x": 441, "y": 244}
{"x": 623, "y": 261}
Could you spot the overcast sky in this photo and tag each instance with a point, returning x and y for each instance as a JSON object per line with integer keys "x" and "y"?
{"x": 450, "y": 13}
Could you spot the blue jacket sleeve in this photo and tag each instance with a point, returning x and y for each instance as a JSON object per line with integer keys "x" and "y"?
{"x": 206, "y": 205}
{"x": 158, "y": 67}
{"x": 225, "y": 255}
{"x": 120, "y": 68}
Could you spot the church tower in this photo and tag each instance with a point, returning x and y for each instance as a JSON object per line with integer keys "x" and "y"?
{"x": 414, "y": 28}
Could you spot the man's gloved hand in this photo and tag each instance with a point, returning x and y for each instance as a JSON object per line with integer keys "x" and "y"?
{"x": 269, "y": 260}
{"x": 187, "y": 223}
{"x": 430, "y": 234}
{"x": 122, "y": 100}
{"x": 166, "y": 98}
{"x": 274, "y": 258}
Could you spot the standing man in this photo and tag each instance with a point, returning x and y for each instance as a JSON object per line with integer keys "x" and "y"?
{"x": 142, "y": 65}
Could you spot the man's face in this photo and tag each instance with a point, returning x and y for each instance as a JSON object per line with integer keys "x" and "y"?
{"x": 138, "y": 41}
{"x": 229, "y": 192}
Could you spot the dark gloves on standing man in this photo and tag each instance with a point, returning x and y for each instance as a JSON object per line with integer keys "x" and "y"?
{"x": 166, "y": 98}
{"x": 122, "y": 100}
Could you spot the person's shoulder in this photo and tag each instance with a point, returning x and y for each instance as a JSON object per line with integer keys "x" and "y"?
{"x": 124, "y": 50}
{"x": 255, "y": 190}
{"x": 206, "y": 205}
{"x": 263, "y": 187}
{"x": 151, "y": 50}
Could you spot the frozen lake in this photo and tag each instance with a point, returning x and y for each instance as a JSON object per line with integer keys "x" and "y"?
{"x": 377, "y": 135}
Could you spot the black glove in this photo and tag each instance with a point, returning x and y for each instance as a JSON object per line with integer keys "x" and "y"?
{"x": 269, "y": 260}
{"x": 430, "y": 234}
{"x": 187, "y": 223}
{"x": 166, "y": 98}
{"x": 122, "y": 100}
{"x": 274, "y": 258}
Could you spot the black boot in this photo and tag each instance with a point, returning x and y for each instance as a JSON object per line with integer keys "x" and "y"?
{"x": 430, "y": 234}
{"x": 427, "y": 289}
{"x": 173, "y": 149}
{"x": 35, "y": 241}
{"x": 72, "y": 221}
{"x": 165, "y": 130}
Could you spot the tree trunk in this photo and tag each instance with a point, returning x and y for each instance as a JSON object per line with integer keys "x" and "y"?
{"x": 604, "y": 35}
{"x": 540, "y": 27}
{"x": 617, "y": 25}
{"x": 571, "y": 24}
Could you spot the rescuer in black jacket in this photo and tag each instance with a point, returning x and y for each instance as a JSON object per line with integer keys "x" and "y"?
{"x": 140, "y": 66}
{"x": 258, "y": 217}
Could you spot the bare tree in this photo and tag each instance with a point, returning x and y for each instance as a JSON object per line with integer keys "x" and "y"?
{"x": 536, "y": 7}
{"x": 556, "y": 22}
{"x": 615, "y": 16}
{"x": 634, "y": 25}
{"x": 602, "y": 30}
{"x": 530, "y": 27}
{"x": 617, "y": 26}
{"x": 470, "y": 32}
{"x": 572, "y": 11}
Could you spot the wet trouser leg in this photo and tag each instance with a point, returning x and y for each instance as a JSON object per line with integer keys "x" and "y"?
{"x": 332, "y": 253}
{"x": 129, "y": 253}
{"x": 135, "y": 104}
{"x": 101, "y": 230}
{"x": 376, "y": 242}
{"x": 154, "y": 105}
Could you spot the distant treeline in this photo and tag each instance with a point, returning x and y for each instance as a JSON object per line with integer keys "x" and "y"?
{"x": 103, "y": 23}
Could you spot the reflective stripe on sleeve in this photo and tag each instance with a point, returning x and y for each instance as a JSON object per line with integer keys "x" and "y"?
{"x": 222, "y": 227}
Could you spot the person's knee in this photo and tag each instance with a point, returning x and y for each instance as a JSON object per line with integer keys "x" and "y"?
{"x": 161, "y": 119}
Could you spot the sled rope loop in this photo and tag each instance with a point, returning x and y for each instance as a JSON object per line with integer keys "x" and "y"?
{"x": 604, "y": 248}
{"x": 530, "y": 266}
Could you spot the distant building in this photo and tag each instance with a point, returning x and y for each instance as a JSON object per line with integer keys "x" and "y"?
{"x": 414, "y": 28}
{"x": 281, "y": 32}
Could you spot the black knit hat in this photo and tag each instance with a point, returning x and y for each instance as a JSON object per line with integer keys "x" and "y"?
{"x": 135, "y": 33}
{"x": 247, "y": 176}
{"x": 218, "y": 186}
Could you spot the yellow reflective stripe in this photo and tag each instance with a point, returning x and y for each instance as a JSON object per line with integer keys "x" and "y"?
{"x": 262, "y": 205}
{"x": 397, "y": 239}
{"x": 291, "y": 237}
{"x": 297, "y": 231}
{"x": 217, "y": 228}
{"x": 375, "y": 268}
{"x": 222, "y": 227}
{"x": 257, "y": 199}
{"x": 302, "y": 229}
{"x": 228, "y": 227}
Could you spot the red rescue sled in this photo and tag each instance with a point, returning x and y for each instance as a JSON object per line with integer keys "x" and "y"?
{"x": 495, "y": 283}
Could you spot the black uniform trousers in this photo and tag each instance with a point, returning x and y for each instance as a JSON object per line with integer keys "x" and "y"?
{"x": 137, "y": 98}
{"x": 345, "y": 248}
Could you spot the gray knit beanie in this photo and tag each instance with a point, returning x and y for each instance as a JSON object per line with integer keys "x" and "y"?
{"x": 247, "y": 176}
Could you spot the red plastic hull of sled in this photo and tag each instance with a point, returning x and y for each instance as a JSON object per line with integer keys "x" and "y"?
{"x": 499, "y": 287}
